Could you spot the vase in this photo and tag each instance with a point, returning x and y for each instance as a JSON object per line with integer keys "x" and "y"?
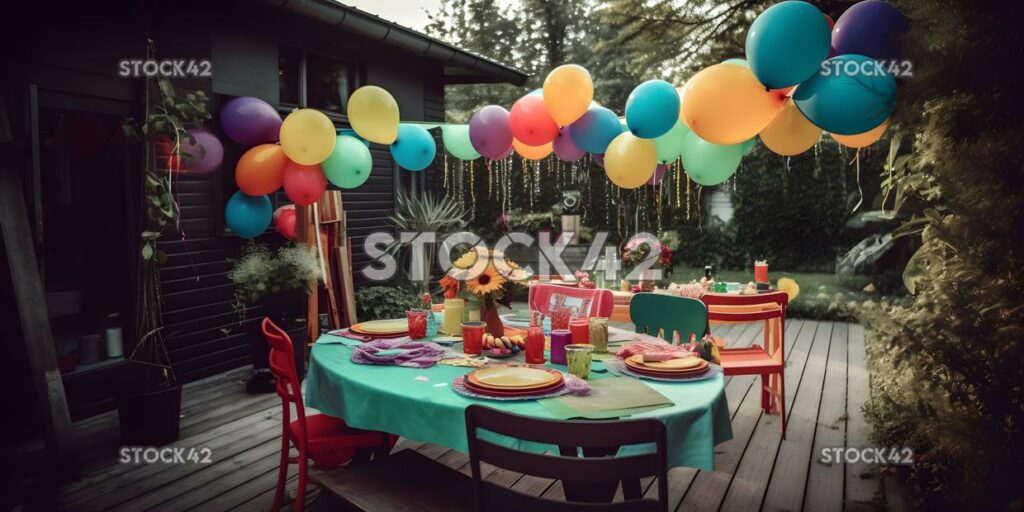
{"x": 489, "y": 315}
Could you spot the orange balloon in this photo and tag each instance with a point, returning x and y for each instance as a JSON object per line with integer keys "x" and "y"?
{"x": 260, "y": 171}
{"x": 682, "y": 96}
{"x": 790, "y": 133}
{"x": 862, "y": 140}
{"x": 568, "y": 91}
{"x": 532, "y": 152}
{"x": 630, "y": 161}
{"x": 725, "y": 104}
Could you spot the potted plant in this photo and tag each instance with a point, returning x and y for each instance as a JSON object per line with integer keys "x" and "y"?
{"x": 278, "y": 280}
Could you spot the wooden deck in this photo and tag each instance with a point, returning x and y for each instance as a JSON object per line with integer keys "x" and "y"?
{"x": 826, "y": 383}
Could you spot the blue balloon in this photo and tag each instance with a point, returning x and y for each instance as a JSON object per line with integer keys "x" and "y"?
{"x": 851, "y": 94}
{"x": 787, "y": 43}
{"x": 652, "y": 109}
{"x": 414, "y": 149}
{"x": 871, "y": 28}
{"x": 248, "y": 216}
{"x": 594, "y": 131}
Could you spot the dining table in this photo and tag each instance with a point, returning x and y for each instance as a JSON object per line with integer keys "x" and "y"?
{"x": 420, "y": 404}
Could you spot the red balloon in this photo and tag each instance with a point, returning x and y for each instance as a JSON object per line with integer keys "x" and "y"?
{"x": 304, "y": 184}
{"x": 285, "y": 221}
{"x": 530, "y": 122}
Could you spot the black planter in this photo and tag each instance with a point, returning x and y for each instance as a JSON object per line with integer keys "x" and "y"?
{"x": 150, "y": 418}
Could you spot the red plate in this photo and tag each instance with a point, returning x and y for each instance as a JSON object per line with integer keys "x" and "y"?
{"x": 529, "y": 392}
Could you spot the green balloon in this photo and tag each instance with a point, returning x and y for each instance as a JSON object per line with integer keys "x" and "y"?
{"x": 456, "y": 140}
{"x": 710, "y": 164}
{"x": 748, "y": 145}
{"x": 349, "y": 164}
{"x": 738, "y": 62}
{"x": 670, "y": 145}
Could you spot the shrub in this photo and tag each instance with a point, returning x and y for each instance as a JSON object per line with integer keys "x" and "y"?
{"x": 385, "y": 301}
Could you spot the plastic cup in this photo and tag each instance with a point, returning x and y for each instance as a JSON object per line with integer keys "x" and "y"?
{"x": 473, "y": 337}
{"x": 417, "y": 319}
{"x": 578, "y": 358}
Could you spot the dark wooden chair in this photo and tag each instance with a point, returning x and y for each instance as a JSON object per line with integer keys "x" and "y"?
{"x": 579, "y": 475}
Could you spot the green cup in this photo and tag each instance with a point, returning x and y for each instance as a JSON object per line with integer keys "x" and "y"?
{"x": 577, "y": 358}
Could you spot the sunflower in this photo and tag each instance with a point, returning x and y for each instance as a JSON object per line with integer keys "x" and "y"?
{"x": 466, "y": 260}
{"x": 488, "y": 281}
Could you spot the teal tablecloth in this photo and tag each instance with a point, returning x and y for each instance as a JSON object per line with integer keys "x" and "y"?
{"x": 398, "y": 400}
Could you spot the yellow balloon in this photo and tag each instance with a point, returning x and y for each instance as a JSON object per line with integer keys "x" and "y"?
{"x": 373, "y": 113}
{"x": 789, "y": 287}
{"x": 862, "y": 140}
{"x": 682, "y": 95}
{"x": 307, "y": 136}
{"x": 725, "y": 104}
{"x": 630, "y": 161}
{"x": 532, "y": 152}
{"x": 790, "y": 133}
{"x": 568, "y": 91}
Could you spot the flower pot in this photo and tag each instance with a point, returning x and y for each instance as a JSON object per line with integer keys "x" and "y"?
{"x": 150, "y": 418}
{"x": 489, "y": 315}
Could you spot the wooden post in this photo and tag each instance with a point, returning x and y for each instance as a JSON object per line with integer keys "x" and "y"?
{"x": 306, "y": 234}
{"x": 35, "y": 326}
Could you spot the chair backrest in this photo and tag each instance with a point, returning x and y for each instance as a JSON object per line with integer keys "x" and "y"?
{"x": 597, "y": 302}
{"x": 282, "y": 365}
{"x": 654, "y": 312}
{"x": 768, "y": 307}
{"x": 569, "y": 436}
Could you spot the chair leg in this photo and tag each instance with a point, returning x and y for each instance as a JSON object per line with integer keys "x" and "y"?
{"x": 766, "y": 383}
{"x": 300, "y": 494}
{"x": 782, "y": 402}
{"x": 282, "y": 473}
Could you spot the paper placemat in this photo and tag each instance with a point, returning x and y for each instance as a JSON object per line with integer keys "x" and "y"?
{"x": 609, "y": 398}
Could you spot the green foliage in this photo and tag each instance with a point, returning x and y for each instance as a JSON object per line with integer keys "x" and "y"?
{"x": 387, "y": 301}
{"x": 426, "y": 213}
{"x": 260, "y": 272}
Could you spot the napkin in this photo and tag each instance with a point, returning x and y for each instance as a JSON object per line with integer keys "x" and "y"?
{"x": 609, "y": 398}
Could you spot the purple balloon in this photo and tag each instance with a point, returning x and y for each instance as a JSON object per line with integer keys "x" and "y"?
{"x": 598, "y": 159}
{"x": 489, "y": 132}
{"x": 565, "y": 148}
{"x": 250, "y": 121}
{"x": 659, "y": 173}
{"x": 872, "y": 28}
{"x": 212, "y": 152}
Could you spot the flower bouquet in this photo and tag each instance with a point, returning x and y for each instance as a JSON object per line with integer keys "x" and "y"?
{"x": 485, "y": 277}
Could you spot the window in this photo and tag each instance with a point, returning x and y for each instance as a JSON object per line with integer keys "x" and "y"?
{"x": 329, "y": 83}
{"x": 289, "y": 66}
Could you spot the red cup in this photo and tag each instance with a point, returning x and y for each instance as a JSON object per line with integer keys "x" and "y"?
{"x": 417, "y": 319}
{"x": 535, "y": 345}
{"x": 560, "y": 318}
{"x": 580, "y": 329}
{"x": 760, "y": 272}
{"x": 473, "y": 337}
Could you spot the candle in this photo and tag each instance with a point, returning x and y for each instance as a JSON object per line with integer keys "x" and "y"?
{"x": 580, "y": 329}
{"x": 473, "y": 337}
{"x": 535, "y": 345}
{"x": 599, "y": 334}
{"x": 452, "y": 321}
{"x": 559, "y": 339}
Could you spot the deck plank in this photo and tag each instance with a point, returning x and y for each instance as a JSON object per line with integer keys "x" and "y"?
{"x": 825, "y": 482}
{"x": 862, "y": 491}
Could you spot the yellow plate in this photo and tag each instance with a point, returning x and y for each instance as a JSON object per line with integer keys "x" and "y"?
{"x": 672, "y": 365}
{"x": 391, "y": 326}
{"x": 514, "y": 377}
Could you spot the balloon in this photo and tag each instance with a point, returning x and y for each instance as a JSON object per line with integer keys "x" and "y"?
{"x": 871, "y": 28}
{"x": 261, "y": 170}
{"x": 490, "y": 133}
{"x": 738, "y": 62}
{"x": 373, "y": 113}
{"x": 787, "y": 43}
{"x": 350, "y": 164}
{"x": 307, "y": 136}
{"x": 565, "y": 148}
{"x": 850, "y": 95}
{"x": 630, "y": 161}
{"x": 304, "y": 184}
{"x": 250, "y": 121}
{"x": 568, "y": 91}
{"x": 456, "y": 140}
{"x": 710, "y": 164}
{"x": 790, "y": 133}
{"x": 659, "y": 173}
{"x": 652, "y": 109}
{"x": 748, "y": 145}
{"x": 414, "y": 149}
{"x": 248, "y": 216}
{"x": 532, "y": 152}
{"x": 862, "y": 140}
{"x": 286, "y": 222}
{"x": 598, "y": 159}
{"x": 594, "y": 131}
{"x": 212, "y": 151}
{"x": 530, "y": 122}
{"x": 670, "y": 145}
{"x": 725, "y": 104}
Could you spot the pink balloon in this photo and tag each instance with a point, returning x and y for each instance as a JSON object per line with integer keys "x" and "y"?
{"x": 565, "y": 148}
{"x": 285, "y": 221}
{"x": 530, "y": 122}
{"x": 659, "y": 173}
{"x": 304, "y": 184}
{"x": 212, "y": 152}
{"x": 489, "y": 132}
{"x": 598, "y": 159}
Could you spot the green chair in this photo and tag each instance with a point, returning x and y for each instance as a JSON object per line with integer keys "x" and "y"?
{"x": 663, "y": 315}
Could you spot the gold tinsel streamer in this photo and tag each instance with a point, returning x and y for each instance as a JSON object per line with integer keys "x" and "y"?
{"x": 472, "y": 190}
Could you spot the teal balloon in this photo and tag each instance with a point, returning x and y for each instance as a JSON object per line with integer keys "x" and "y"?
{"x": 710, "y": 164}
{"x": 652, "y": 109}
{"x": 350, "y": 164}
{"x": 456, "y": 141}
{"x": 748, "y": 145}
{"x": 414, "y": 149}
{"x": 670, "y": 145}
{"x": 850, "y": 94}
{"x": 594, "y": 131}
{"x": 787, "y": 43}
{"x": 248, "y": 216}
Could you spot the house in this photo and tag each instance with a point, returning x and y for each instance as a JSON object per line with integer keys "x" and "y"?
{"x": 63, "y": 105}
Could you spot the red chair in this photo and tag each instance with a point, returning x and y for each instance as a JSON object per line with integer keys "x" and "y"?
{"x": 328, "y": 441}
{"x": 769, "y": 361}
{"x": 598, "y": 302}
